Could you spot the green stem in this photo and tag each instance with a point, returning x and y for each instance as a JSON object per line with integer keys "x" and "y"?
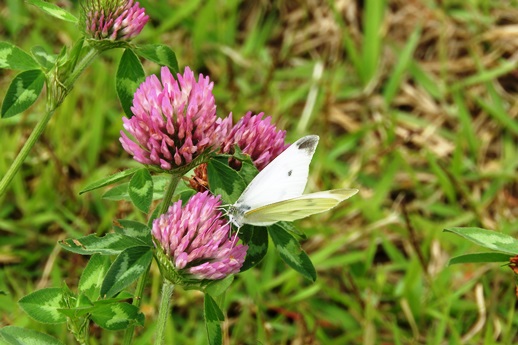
{"x": 79, "y": 327}
{"x": 163, "y": 312}
{"x": 175, "y": 179}
{"x": 85, "y": 61}
{"x": 139, "y": 291}
{"x": 24, "y": 152}
{"x": 57, "y": 91}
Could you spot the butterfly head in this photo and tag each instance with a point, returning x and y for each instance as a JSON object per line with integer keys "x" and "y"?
{"x": 236, "y": 214}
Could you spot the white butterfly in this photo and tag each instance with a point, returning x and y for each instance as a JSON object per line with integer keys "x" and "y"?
{"x": 275, "y": 194}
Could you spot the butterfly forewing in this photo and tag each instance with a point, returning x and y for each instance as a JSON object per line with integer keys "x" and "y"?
{"x": 297, "y": 208}
{"x": 284, "y": 178}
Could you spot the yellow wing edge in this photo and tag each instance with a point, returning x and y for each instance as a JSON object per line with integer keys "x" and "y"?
{"x": 301, "y": 207}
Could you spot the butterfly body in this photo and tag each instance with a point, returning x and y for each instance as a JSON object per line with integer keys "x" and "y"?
{"x": 275, "y": 194}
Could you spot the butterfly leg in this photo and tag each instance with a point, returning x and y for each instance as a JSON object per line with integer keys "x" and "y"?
{"x": 234, "y": 240}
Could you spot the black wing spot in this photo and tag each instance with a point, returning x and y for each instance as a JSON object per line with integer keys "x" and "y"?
{"x": 290, "y": 172}
{"x": 308, "y": 144}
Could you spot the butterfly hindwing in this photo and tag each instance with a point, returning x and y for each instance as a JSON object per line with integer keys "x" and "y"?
{"x": 297, "y": 208}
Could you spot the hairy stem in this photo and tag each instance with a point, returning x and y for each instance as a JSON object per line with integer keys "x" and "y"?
{"x": 24, "y": 152}
{"x": 137, "y": 299}
{"x": 175, "y": 179}
{"x": 163, "y": 312}
{"x": 57, "y": 91}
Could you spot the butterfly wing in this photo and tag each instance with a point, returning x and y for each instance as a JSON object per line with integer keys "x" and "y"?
{"x": 284, "y": 178}
{"x": 297, "y": 208}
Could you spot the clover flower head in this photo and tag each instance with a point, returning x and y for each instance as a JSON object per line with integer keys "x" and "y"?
{"x": 256, "y": 137}
{"x": 114, "y": 20}
{"x": 174, "y": 120}
{"x": 196, "y": 239}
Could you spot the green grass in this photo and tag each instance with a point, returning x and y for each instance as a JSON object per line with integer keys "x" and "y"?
{"x": 415, "y": 106}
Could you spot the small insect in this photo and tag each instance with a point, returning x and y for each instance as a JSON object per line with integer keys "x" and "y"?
{"x": 275, "y": 194}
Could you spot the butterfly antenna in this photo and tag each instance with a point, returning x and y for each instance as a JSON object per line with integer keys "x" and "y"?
{"x": 213, "y": 222}
{"x": 224, "y": 206}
